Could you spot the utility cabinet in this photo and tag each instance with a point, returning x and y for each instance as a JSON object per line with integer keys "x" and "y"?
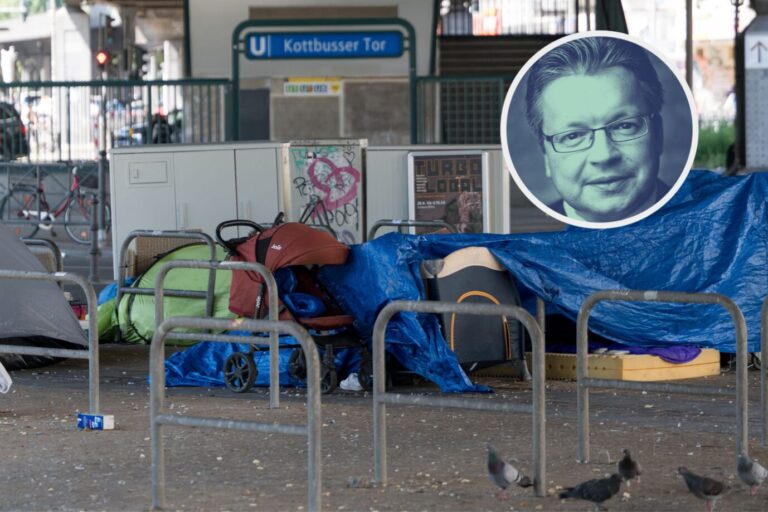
{"x": 192, "y": 187}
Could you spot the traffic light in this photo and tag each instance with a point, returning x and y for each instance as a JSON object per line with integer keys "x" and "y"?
{"x": 109, "y": 32}
{"x": 102, "y": 59}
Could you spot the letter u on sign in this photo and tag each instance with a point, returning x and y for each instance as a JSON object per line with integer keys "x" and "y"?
{"x": 257, "y": 46}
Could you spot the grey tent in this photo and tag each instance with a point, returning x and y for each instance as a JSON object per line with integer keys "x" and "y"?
{"x": 32, "y": 312}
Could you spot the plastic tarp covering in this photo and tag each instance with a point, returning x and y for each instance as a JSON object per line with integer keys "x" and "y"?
{"x": 201, "y": 365}
{"x": 136, "y": 313}
{"x": 711, "y": 237}
{"x": 32, "y": 308}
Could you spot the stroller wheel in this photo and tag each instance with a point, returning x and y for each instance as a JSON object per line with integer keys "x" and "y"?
{"x": 365, "y": 373}
{"x": 297, "y": 365}
{"x": 329, "y": 380}
{"x": 240, "y": 372}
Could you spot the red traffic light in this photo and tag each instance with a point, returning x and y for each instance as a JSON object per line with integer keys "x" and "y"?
{"x": 102, "y": 58}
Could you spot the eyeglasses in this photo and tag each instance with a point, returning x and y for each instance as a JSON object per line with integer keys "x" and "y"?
{"x": 622, "y": 130}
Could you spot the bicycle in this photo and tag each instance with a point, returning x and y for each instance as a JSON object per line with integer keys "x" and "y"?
{"x": 25, "y": 209}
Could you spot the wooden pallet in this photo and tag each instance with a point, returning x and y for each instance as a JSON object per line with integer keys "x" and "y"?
{"x": 621, "y": 367}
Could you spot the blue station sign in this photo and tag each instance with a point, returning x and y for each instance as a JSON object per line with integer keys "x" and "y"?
{"x": 324, "y": 45}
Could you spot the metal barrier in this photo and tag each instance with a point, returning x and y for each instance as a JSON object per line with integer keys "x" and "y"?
{"x": 381, "y": 398}
{"x": 208, "y": 295}
{"x": 584, "y": 382}
{"x": 409, "y": 223}
{"x": 93, "y": 331}
{"x": 157, "y": 397}
{"x": 61, "y": 119}
{"x": 52, "y": 248}
{"x": 460, "y": 109}
{"x": 274, "y": 370}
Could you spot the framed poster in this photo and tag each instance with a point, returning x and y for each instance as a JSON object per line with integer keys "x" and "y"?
{"x": 450, "y": 186}
{"x": 324, "y": 184}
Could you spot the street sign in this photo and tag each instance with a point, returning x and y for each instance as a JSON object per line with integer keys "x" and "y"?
{"x": 756, "y": 51}
{"x": 324, "y": 45}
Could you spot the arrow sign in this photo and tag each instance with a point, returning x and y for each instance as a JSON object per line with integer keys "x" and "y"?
{"x": 756, "y": 54}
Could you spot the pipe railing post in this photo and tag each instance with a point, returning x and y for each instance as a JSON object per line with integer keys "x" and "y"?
{"x": 269, "y": 280}
{"x": 584, "y": 382}
{"x": 537, "y": 408}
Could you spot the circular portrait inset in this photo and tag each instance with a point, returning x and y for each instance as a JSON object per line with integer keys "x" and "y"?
{"x": 598, "y": 130}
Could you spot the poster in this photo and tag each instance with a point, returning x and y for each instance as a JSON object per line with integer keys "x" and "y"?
{"x": 325, "y": 185}
{"x": 449, "y": 187}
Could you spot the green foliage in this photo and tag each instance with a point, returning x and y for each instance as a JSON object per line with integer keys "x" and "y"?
{"x": 33, "y": 6}
{"x": 714, "y": 140}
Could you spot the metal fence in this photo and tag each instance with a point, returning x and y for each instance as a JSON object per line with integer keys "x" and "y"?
{"x": 460, "y": 109}
{"x": 502, "y": 17}
{"x": 54, "y": 121}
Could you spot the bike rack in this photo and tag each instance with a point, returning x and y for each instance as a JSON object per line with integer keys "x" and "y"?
{"x": 208, "y": 295}
{"x": 157, "y": 396}
{"x": 51, "y": 246}
{"x": 409, "y": 223}
{"x": 584, "y": 382}
{"x": 269, "y": 279}
{"x": 93, "y": 330}
{"x": 381, "y": 398}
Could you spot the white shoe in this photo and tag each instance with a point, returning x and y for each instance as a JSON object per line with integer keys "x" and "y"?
{"x": 351, "y": 383}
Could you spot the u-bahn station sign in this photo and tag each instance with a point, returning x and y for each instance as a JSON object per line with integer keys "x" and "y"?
{"x": 324, "y": 45}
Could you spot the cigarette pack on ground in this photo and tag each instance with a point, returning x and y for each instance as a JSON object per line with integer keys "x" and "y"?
{"x": 87, "y": 421}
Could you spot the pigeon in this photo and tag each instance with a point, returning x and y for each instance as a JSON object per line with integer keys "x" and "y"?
{"x": 751, "y": 472}
{"x": 596, "y": 490}
{"x": 702, "y": 487}
{"x": 629, "y": 468}
{"x": 503, "y": 474}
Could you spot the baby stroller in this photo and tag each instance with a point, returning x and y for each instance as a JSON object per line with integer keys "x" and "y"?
{"x": 292, "y": 251}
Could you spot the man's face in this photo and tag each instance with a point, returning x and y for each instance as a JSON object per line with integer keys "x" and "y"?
{"x": 610, "y": 180}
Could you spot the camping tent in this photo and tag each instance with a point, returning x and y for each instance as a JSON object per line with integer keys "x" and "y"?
{"x": 32, "y": 312}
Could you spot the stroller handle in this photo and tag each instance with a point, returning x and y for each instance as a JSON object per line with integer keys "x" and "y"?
{"x": 232, "y": 243}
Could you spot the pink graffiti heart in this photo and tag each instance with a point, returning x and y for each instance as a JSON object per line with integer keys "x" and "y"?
{"x": 334, "y": 180}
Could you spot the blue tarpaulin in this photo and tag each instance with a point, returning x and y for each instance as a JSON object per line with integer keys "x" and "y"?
{"x": 202, "y": 364}
{"x": 710, "y": 238}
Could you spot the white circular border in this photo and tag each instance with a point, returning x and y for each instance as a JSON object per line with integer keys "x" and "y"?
{"x": 581, "y": 223}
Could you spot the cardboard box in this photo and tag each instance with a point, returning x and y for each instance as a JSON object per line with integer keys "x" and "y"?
{"x": 631, "y": 367}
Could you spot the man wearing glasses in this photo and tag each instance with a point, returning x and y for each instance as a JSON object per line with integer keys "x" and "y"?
{"x": 594, "y": 104}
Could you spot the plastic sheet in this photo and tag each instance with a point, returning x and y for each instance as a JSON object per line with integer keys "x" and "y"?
{"x": 710, "y": 238}
{"x": 202, "y": 364}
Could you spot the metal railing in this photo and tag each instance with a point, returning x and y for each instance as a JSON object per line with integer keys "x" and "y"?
{"x": 381, "y": 398}
{"x": 208, "y": 294}
{"x": 157, "y": 397}
{"x": 61, "y": 119}
{"x": 52, "y": 249}
{"x": 584, "y": 382}
{"x": 269, "y": 280}
{"x": 408, "y": 223}
{"x": 93, "y": 332}
{"x": 460, "y": 109}
{"x": 501, "y": 17}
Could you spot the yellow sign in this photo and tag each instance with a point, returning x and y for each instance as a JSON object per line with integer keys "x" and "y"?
{"x": 312, "y": 86}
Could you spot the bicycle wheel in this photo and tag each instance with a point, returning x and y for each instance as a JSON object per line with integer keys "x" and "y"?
{"x": 15, "y": 213}
{"x": 77, "y": 218}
